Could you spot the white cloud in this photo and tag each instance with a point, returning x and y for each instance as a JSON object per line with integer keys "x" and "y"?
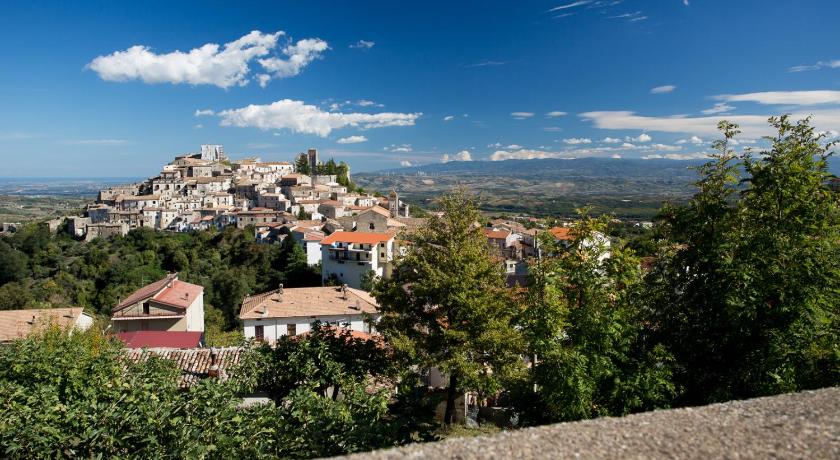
{"x": 521, "y": 115}
{"x": 640, "y": 138}
{"x": 204, "y": 113}
{"x": 720, "y": 107}
{"x": 694, "y": 140}
{"x": 401, "y": 148}
{"x": 664, "y": 147}
{"x": 351, "y": 140}
{"x": 211, "y": 64}
{"x": 309, "y": 119}
{"x": 570, "y": 5}
{"x": 555, "y": 113}
{"x": 494, "y": 145}
{"x": 663, "y": 89}
{"x": 298, "y": 56}
{"x": 514, "y": 147}
{"x": 785, "y": 97}
{"x": 685, "y": 2}
{"x": 363, "y": 44}
{"x": 577, "y": 140}
{"x": 632, "y": 17}
{"x": 405, "y": 163}
{"x": 610, "y": 140}
{"x": 628, "y": 145}
{"x": 833, "y": 64}
{"x": 676, "y": 156}
{"x": 449, "y": 118}
{"x": 198, "y": 126}
{"x": 368, "y": 103}
{"x": 463, "y": 155}
{"x": 523, "y": 154}
{"x": 616, "y": 156}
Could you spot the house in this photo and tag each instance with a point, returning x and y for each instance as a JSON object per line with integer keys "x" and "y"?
{"x": 376, "y": 219}
{"x": 347, "y": 257}
{"x": 196, "y": 364}
{"x": 162, "y": 339}
{"x": 310, "y": 240}
{"x": 17, "y": 324}
{"x": 168, "y": 304}
{"x": 270, "y": 315}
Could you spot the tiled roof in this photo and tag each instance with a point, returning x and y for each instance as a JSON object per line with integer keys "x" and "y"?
{"x": 496, "y": 234}
{"x": 379, "y": 210}
{"x": 168, "y": 291}
{"x": 306, "y": 302}
{"x": 357, "y": 237}
{"x": 561, "y": 233}
{"x": 194, "y": 363}
{"x": 161, "y": 339}
{"x": 17, "y": 324}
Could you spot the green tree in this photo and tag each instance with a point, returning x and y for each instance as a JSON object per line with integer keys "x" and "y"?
{"x": 585, "y": 333}
{"x": 745, "y": 293}
{"x": 446, "y": 304}
{"x": 302, "y": 165}
{"x": 13, "y": 264}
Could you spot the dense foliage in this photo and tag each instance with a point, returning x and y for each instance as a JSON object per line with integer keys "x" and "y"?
{"x": 68, "y": 396}
{"x": 40, "y": 269}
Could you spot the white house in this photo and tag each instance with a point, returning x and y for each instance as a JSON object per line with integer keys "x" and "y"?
{"x": 273, "y": 314}
{"x": 348, "y": 256}
{"x": 310, "y": 240}
{"x": 168, "y": 304}
{"x": 17, "y": 324}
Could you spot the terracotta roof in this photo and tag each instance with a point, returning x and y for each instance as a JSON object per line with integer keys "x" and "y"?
{"x": 561, "y": 233}
{"x": 169, "y": 291}
{"x": 357, "y": 237}
{"x": 194, "y": 363}
{"x": 306, "y": 302}
{"x": 496, "y": 234}
{"x": 17, "y": 324}
{"x": 161, "y": 339}
{"x": 379, "y": 210}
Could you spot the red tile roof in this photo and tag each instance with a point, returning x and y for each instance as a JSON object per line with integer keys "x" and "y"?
{"x": 168, "y": 291}
{"x": 496, "y": 234}
{"x": 194, "y": 363}
{"x": 561, "y": 233}
{"x": 357, "y": 237}
{"x": 161, "y": 339}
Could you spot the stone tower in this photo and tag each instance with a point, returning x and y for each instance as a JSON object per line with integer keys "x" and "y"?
{"x": 312, "y": 154}
{"x": 394, "y": 203}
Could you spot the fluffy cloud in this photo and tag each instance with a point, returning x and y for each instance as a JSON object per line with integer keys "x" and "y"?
{"x": 640, "y": 138}
{"x": 463, "y": 155}
{"x": 363, "y": 44}
{"x": 514, "y": 147}
{"x": 676, "y": 156}
{"x": 555, "y": 113}
{"x": 577, "y": 140}
{"x": 309, "y": 119}
{"x": 610, "y": 140}
{"x": 204, "y": 113}
{"x": 522, "y": 154}
{"x": 405, "y": 163}
{"x": 211, "y": 64}
{"x": 351, "y": 140}
{"x": 664, "y": 147}
{"x": 449, "y": 118}
{"x": 785, "y": 97}
{"x": 755, "y": 125}
{"x": 521, "y": 115}
{"x": 663, "y": 89}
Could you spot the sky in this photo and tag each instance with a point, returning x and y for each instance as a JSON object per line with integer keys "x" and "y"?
{"x": 117, "y": 89}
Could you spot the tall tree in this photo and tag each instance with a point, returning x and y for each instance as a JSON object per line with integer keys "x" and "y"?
{"x": 746, "y": 294}
{"x": 446, "y": 305}
{"x": 585, "y": 333}
{"x": 302, "y": 165}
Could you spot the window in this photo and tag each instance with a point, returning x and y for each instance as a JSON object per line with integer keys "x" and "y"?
{"x": 259, "y": 333}
{"x": 372, "y": 226}
{"x": 146, "y": 308}
{"x": 291, "y": 329}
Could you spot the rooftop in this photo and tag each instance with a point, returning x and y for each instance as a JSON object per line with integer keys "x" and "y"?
{"x": 169, "y": 291}
{"x": 357, "y": 237}
{"x": 194, "y": 363}
{"x": 17, "y": 324}
{"x": 160, "y": 339}
{"x": 307, "y": 302}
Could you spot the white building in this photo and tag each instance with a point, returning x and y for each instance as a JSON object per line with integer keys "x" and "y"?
{"x": 165, "y": 305}
{"x": 310, "y": 240}
{"x": 348, "y": 256}
{"x": 270, "y": 315}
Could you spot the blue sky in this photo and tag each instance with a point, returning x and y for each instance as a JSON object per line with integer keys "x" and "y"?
{"x": 108, "y": 89}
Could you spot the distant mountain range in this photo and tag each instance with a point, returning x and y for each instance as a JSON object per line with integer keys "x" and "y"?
{"x": 566, "y": 168}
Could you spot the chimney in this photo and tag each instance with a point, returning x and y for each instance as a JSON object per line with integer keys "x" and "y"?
{"x": 344, "y": 291}
{"x": 214, "y": 366}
